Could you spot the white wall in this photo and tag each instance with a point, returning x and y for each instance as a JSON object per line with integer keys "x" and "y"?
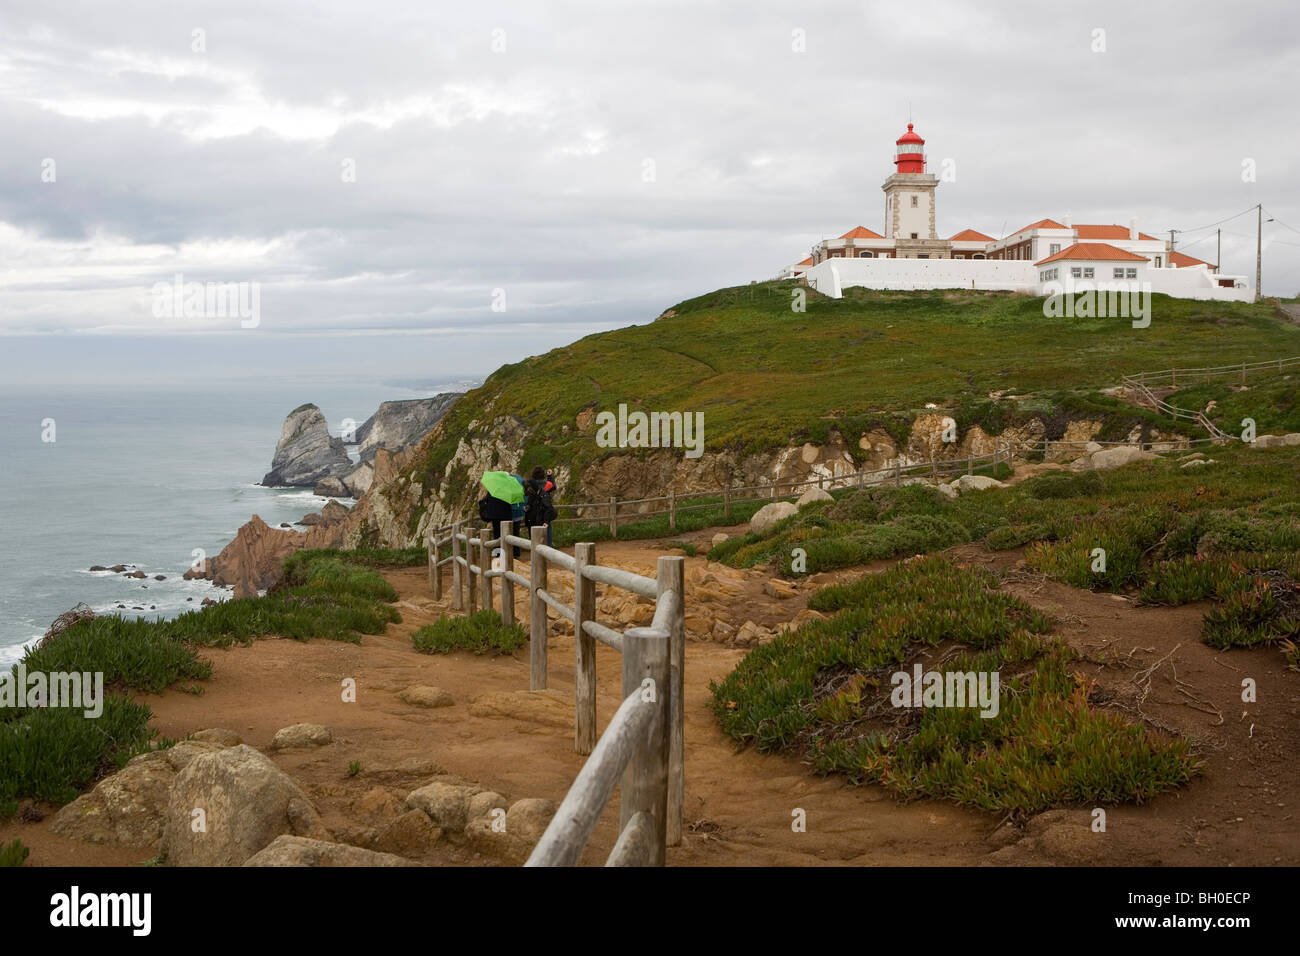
{"x": 834, "y": 275}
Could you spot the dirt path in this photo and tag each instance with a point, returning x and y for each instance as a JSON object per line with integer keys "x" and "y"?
{"x": 739, "y": 804}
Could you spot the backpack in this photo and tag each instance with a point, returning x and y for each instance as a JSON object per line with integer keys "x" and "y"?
{"x": 539, "y": 509}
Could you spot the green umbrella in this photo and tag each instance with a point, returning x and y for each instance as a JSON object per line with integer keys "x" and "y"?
{"x": 503, "y": 485}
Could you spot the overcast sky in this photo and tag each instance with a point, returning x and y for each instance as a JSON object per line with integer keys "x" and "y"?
{"x": 597, "y": 162}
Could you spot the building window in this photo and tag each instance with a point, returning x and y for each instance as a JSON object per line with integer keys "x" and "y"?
{"x": 913, "y": 202}
{"x": 1131, "y": 273}
{"x": 959, "y": 255}
{"x": 1076, "y": 272}
{"x": 864, "y": 254}
{"x": 837, "y": 255}
{"x": 923, "y": 257}
{"x": 978, "y": 255}
{"x": 1087, "y": 272}
{"x": 914, "y": 236}
{"x": 1055, "y": 248}
{"x": 1119, "y": 273}
{"x": 1158, "y": 262}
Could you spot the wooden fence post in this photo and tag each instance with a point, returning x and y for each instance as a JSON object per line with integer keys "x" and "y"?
{"x": 507, "y": 586}
{"x": 726, "y": 499}
{"x": 584, "y": 672}
{"x": 457, "y": 597}
{"x": 645, "y": 781}
{"x": 537, "y": 612}
{"x": 434, "y": 571}
{"x": 485, "y": 565}
{"x": 671, "y": 576}
{"x": 613, "y": 516}
{"x": 672, "y": 511}
{"x": 471, "y": 586}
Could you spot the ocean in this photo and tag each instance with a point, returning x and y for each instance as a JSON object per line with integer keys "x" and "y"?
{"x": 143, "y": 477}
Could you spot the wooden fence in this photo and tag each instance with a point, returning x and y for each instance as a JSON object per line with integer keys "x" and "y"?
{"x": 1140, "y": 385}
{"x": 643, "y": 744}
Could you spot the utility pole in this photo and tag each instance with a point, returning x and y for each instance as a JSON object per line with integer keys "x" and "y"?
{"x": 1218, "y": 250}
{"x": 1259, "y": 245}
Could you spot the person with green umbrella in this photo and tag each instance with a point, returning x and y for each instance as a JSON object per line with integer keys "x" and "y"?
{"x": 503, "y": 492}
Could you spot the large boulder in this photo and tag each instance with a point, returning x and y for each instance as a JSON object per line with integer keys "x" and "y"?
{"x": 395, "y": 425}
{"x": 1117, "y": 457}
{"x": 1276, "y": 441}
{"x": 247, "y": 801}
{"x": 302, "y": 851}
{"x": 812, "y": 496}
{"x": 768, "y": 515}
{"x": 977, "y": 483}
{"x": 306, "y": 452}
{"x": 127, "y": 808}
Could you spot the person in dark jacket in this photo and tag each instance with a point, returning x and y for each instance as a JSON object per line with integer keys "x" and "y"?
{"x": 539, "y": 508}
{"x": 492, "y": 511}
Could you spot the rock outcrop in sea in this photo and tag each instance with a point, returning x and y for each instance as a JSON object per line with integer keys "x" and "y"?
{"x": 306, "y": 452}
{"x": 398, "y": 424}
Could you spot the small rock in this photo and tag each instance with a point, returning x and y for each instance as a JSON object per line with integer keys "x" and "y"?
{"x": 423, "y": 695}
{"x": 119, "y": 568}
{"x": 207, "y": 601}
{"x": 98, "y": 567}
{"x": 782, "y": 590}
{"x": 218, "y": 735}
{"x": 301, "y": 851}
{"x": 529, "y": 818}
{"x": 301, "y": 735}
{"x": 160, "y": 577}
{"x": 446, "y": 804}
{"x": 411, "y": 834}
{"x": 716, "y": 540}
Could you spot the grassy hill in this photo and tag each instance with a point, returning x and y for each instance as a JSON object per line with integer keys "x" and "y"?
{"x": 765, "y": 376}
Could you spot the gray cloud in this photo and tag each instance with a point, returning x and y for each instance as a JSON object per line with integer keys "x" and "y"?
{"x": 523, "y": 170}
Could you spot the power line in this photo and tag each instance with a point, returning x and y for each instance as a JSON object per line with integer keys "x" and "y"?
{"x": 1220, "y": 222}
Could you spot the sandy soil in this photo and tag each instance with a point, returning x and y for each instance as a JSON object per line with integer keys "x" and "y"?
{"x": 739, "y": 803}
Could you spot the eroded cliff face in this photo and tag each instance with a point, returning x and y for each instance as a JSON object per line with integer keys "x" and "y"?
{"x": 399, "y": 510}
{"x": 404, "y": 503}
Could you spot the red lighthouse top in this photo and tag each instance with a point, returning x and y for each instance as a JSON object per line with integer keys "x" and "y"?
{"x": 909, "y": 152}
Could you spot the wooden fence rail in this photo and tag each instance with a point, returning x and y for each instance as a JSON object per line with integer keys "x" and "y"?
{"x": 643, "y": 744}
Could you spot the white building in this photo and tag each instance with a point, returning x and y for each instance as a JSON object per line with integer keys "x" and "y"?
{"x": 1037, "y": 258}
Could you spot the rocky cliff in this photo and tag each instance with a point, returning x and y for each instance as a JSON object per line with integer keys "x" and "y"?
{"x": 398, "y": 424}
{"x": 306, "y": 452}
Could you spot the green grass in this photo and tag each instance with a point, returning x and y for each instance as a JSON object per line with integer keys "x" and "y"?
{"x": 1152, "y": 520}
{"x": 53, "y": 753}
{"x": 766, "y": 377}
{"x": 822, "y": 693}
{"x": 13, "y": 854}
{"x": 482, "y": 632}
{"x": 709, "y": 514}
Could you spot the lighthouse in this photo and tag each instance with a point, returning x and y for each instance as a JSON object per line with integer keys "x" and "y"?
{"x": 909, "y": 152}
{"x": 909, "y": 202}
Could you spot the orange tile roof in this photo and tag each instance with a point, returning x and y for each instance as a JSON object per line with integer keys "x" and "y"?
{"x": 1106, "y": 232}
{"x": 970, "y": 235}
{"x": 1041, "y": 224}
{"x": 1181, "y": 260}
{"x": 805, "y": 262}
{"x": 861, "y": 232}
{"x": 1089, "y": 251}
